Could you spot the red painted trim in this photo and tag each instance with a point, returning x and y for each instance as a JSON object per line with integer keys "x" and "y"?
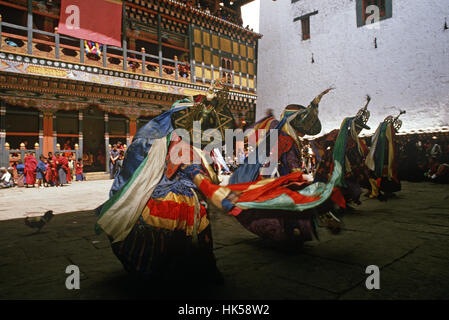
{"x": 22, "y": 133}
{"x": 67, "y": 135}
{"x": 117, "y": 136}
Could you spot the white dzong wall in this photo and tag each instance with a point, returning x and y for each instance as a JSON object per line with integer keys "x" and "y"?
{"x": 408, "y": 70}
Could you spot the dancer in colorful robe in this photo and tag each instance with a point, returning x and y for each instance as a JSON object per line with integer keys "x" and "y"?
{"x": 345, "y": 146}
{"x": 30, "y": 169}
{"x": 381, "y": 159}
{"x": 156, "y": 219}
{"x": 291, "y": 216}
{"x": 296, "y": 121}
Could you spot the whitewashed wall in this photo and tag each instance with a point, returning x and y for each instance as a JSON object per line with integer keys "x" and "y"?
{"x": 408, "y": 70}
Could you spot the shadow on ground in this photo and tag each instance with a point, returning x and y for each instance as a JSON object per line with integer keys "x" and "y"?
{"x": 407, "y": 237}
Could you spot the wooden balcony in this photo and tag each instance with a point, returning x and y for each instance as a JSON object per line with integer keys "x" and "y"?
{"x": 38, "y": 43}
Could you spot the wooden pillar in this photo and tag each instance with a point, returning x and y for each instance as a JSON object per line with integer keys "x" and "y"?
{"x": 106, "y": 140}
{"x": 55, "y": 134}
{"x": 132, "y": 129}
{"x": 159, "y": 43}
{"x": 80, "y": 135}
{"x": 48, "y": 24}
{"x": 41, "y": 133}
{"x": 127, "y": 131}
{"x": 48, "y": 143}
{"x": 4, "y": 153}
{"x": 30, "y": 26}
{"x": 215, "y": 7}
{"x": 124, "y": 41}
{"x": 132, "y": 44}
{"x": 192, "y": 58}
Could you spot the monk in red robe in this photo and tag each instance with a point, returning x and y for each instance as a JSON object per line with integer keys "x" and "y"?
{"x": 62, "y": 166}
{"x": 54, "y": 169}
{"x": 30, "y": 169}
{"x": 49, "y": 173}
{"x": 67, "y": 167}
{"x": 67, "y": 146}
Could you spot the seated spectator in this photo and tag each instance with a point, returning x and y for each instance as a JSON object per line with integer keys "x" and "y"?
{"x": 6, "y": 180}
{"x": 20, "y": 168}
{"x": 438, "y": 172}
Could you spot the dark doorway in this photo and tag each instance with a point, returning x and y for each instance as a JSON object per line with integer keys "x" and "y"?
{"x": 93, "y": 144}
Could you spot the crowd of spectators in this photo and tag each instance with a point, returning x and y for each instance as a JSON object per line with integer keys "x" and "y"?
{"x": 116, "y": 157}
{"x": 420, "y": 158}
{"x": 58, "y": 169}
{"x": 424, "y": 158}
{"x": 52, "y": 171}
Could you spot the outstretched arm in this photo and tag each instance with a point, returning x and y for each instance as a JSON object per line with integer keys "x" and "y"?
{"x": 220, "y": 196}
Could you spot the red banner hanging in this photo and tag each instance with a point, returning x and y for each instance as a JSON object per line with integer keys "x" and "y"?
{"x": 99, "y": 20}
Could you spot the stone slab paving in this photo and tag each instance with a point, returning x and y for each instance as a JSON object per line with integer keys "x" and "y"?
{"x": 407, "y": 237}
{"x": 76, "y": 196}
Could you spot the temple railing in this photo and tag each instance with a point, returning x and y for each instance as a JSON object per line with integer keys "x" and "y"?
{"x": 38, "y": 43}
{"x": 14, "y": 156}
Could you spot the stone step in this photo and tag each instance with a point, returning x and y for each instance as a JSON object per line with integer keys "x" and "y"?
{"x": 91, "y": 176}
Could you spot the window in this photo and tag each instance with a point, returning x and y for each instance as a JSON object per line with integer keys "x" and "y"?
{"x": 222, "y": 51}
{"x": 305, "y": 23}
{"x": 225, "y": 75}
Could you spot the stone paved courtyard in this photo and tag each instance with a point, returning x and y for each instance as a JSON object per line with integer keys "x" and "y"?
{"x": 407, "y": 237}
